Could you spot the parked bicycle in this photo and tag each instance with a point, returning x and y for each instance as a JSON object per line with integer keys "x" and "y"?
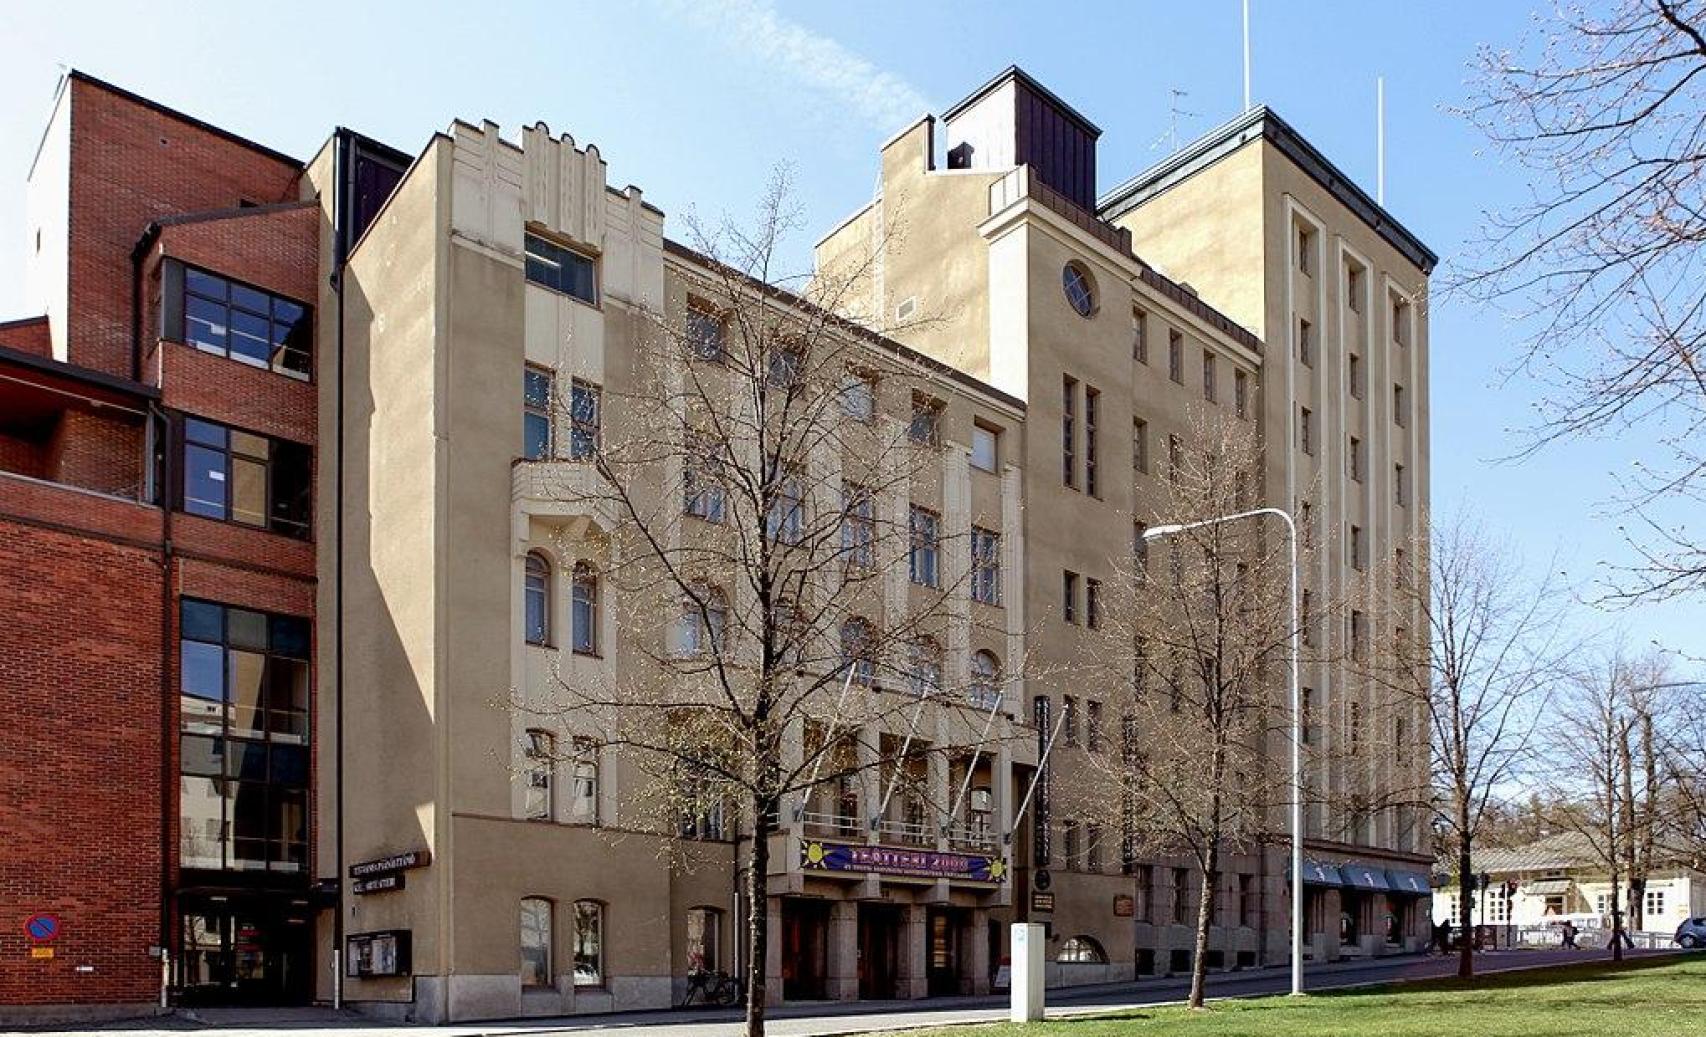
{"x": 711, "y": 988}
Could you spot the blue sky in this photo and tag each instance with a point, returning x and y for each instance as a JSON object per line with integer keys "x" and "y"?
{"x": 697, "y": 102}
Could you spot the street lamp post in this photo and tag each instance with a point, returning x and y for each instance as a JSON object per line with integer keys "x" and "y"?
{"x": 1156, "y": 533}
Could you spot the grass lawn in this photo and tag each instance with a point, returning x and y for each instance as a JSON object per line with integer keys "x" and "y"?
{"x": 1662, "y": 998}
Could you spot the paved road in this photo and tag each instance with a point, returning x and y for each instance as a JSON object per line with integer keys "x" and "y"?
{"x": 837, "y": 1019}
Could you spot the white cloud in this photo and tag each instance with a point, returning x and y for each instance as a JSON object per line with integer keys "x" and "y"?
{"x": 811, "y": 59}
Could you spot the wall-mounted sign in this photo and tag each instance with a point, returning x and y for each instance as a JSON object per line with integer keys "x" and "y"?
{"x": 385, "y": 953}
{"x": 378, "y": 884}
{"x": 41, "y": 927}
{"x": 821, "y": 856}
{"x": 395, "y": 862}
{"x": 1124, "y": 906}
{"x": 1042, "y": 901}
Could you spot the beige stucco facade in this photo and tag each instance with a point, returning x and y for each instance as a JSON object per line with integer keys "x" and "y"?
{"x": 440, "y": 514}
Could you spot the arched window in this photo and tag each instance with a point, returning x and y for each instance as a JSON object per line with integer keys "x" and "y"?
{"x": 703, "y": 622}
{"x": 858, "y": 648}
{"x": 985, "y": 680}
{"x": 589, "y": 943}
{"x": 536, "y": 942}
{"x": 1082, "y": 950}
{"x": 540, "y": 753}
{"x": 538, "y": 600}
{"x": 585, "y": 610}
{"x": 924, "y": 669}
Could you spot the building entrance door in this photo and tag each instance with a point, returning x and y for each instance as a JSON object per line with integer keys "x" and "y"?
{"x": 879, "y": 951}
{"x": 240, "y": 950}
{"x": 942, "y": 928}
{"x": 805, "y": 949}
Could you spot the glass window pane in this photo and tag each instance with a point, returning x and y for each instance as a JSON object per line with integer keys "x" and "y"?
{"x": 290, "y": 766}
{"x": 205, "y": 325}
{"x": 292, "y": 488}
{"x": 201, "y": 621}
{"x": 201, "y": 827}
{"x": 536, "y": 436}
{"x": 250, "y": 299}
{"x": 248, "y": 492}
{"x": 248, "y": 814}
{"x": 287, "y": 698}
{"x": 202, "y": 671}
{"x": 246, "y": 670}
{"x": 289, "y": 835}
{"x": 203, "y": 756}
{"x": 251, "y": 338}
{"x": 203, "y": 283}
{"x": 536, "y": 388}
{"x": 289, "y": 636}
{"x": 535, "y": 942}
{"x": 249, "y": 445}
{"x": 247, "y": 629}
{"x": 589, "y": 941}
{"x": 246, "y": 760}
{"x": 292, "y": 337}
{"x": 204, "y": 482}
{"x": 204, "y": 432}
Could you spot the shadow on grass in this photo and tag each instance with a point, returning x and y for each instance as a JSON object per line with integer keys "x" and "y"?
{"x": 1602, "y": 970}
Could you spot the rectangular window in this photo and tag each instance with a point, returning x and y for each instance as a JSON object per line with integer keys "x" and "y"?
{"x": 1247, "y": 903}
{"x": 1175, "y": 458}
{"x": 1093, "y": 726}
{"x": 1069, "y": 596}
{"x": 1176, "y": 355}
{"x": 925, "y": 428}
{"x": 1208, "y": 387}
{"x": 562, "y": 269}
{"x": 1353, "y": 724}
{"x": 784, "y": 521}
{"x": 1400, "y": 321}
{"x": 248, "y": 325}
{"x": 858, "y": 526}
{"x": 583, "y": 783}
{"x": 1355, "y": 548}
{"x": 1144, "y": 909}
{"x": 1139, "y": 551}
{"x": 1068, "y": 431}
{"x": 1353, "y": 288}
{"x": 1305, "y": 525}
{"x": 237, "y": 476}
{"x": 1653, "y": 905}
{"x": 1139, "y": 445}
{"x": 859, "y": 397}
{"x": 1308, "y": 718}
{"x": 584, "y": 411}
{"x": 1354, "y": 374}
{"x": 1069, "y": 724}
{"x": 1140, "y": 336}
{"x": 1092, "y": 603}
{"x": 1241, "y": 394}
{"x": 923, "y": 561}
{"x": 1359, "y": 637}
{"x": 244, "y": 690}
{"x": 540, "y": 759}
{"x": 1181, "y": 895}
{"x": 1092, "y": 404}
{"x": 1305, "y": 343}
{"x": 985, "y": 448}
{"x": 536, "y": 417}
{"x": 701, "y": 490}
{"x": 985, "y": 566}
{"x": 705, "y": 334}
{"x": 1306, "y": 431}
{"x": 1353, "y": 458}
{"x": 1305, "y": 250}
{"x": 1400, "y": 491}
{"x": 1400, "y": 410}
{"x": 1306, "y": 616}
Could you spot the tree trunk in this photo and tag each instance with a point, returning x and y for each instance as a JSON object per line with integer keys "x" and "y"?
{"x": 1466, "y": 893}
{"x": 1205, "y": 920}
{"x": 758, "y": 920}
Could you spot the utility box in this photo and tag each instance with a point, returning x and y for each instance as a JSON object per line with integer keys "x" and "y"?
{"x": 1028, "y": 972}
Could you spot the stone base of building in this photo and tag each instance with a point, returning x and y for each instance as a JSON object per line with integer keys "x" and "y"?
{"x": 50, "y": 1015}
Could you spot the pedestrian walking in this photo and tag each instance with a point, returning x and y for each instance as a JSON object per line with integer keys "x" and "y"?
{"x": 1569, "y": 931}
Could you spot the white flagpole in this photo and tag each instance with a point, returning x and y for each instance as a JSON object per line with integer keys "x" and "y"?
{"x": 1246, "y": 55}
{"x": 1380, "y": 139}
{"x": 965, "y": 786}
{"x": 828, "y": 740}
{"x": 1042, "y": 766}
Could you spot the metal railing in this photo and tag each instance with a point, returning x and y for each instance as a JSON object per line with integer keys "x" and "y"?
{"x": 907, "y": 833}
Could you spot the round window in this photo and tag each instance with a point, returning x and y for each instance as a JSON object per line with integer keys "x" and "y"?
{"x": 1080, "y": 289}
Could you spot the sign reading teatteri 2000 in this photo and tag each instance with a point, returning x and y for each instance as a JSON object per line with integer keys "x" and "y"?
{"x": 925, "y": 863}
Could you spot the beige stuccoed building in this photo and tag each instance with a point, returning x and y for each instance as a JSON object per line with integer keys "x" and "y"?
{"x": 501, "y": 272}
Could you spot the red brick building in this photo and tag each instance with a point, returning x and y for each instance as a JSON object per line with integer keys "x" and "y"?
{"x": 157, "y": 503}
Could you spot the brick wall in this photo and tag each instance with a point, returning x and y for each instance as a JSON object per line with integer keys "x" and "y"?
{"x": 30, "y": 335}
{"x": 80, "y": 758}
{"x": 97, "y": 452}
{"x": 132, "y": 164}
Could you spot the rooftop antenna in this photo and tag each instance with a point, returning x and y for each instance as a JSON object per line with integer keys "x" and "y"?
{"x": 1380, "y": 139}
{"x": 1173, "y": 113}
{"x": 1246, "y": 55}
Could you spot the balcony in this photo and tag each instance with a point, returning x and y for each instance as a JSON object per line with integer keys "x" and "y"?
{"x": 567, "y": 491}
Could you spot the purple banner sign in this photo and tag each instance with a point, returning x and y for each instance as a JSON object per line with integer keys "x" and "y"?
{"x": 823, "y": 856}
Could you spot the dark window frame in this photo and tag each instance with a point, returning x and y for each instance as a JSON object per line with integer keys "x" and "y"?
{"x": 545, "y": 266}
{"x": 288, "y": 510}
{"x": 179, "y": 286}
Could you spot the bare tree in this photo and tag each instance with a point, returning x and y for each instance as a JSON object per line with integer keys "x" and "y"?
{"x": 1608, "y": 778}
{"x": 1604, "y": 263}
{"x": 783, "y": 608}
{"x": 1198, "y": 627}
{"x": 1491, "y": 649}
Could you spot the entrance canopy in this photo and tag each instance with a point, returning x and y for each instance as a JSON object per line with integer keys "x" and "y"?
{"x": 1363, "y": 876}
{"x": 1319, "y": 873}
{"x": 1414, "y": 883}
{"x": 1547, "y": 887}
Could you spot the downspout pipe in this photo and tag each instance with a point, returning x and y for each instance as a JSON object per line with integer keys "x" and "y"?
{"x": 343, "y": 190}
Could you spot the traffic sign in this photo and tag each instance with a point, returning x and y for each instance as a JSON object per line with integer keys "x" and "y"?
{"x": 41, "y": 927}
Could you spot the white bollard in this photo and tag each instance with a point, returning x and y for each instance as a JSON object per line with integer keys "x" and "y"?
{"x": 1026, "y": 987}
